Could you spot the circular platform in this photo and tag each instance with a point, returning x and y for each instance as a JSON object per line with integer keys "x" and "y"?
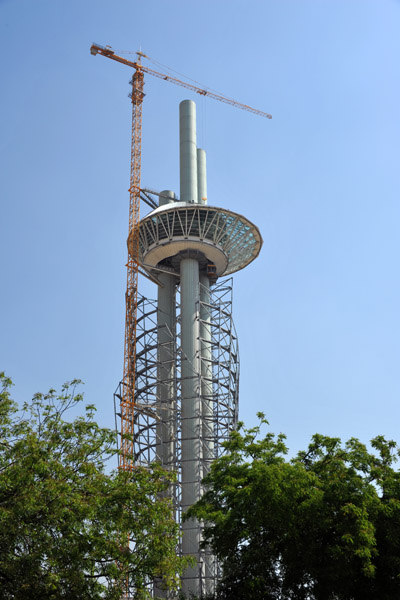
{"x": 226, "y": 239}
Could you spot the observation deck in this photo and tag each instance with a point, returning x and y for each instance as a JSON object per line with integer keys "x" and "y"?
{"x": 213, "y": 235}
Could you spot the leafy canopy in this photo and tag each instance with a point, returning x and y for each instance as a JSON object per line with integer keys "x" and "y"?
{"x": 323, "y": 526}
{"x": 64, "y": 521}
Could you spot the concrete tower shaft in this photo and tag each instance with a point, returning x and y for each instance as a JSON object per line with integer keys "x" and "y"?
{"x": 205, "y": 335}
{"x": 166, "y": 326}
{"x": 192, "y": 448}
{"x": 188, "y": 151}
{"x": 201, "y": 176}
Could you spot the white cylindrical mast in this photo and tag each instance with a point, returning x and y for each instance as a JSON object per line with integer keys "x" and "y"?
{"x": 207, "y": 416}
{"x": 166, "y": 388}
{"x": 191, "y": 377}
{"x": 205, "y": 335}
{"x": 166, "y": 393}
{"x": 188, "y": 151}
{"x": 201, "y": 176}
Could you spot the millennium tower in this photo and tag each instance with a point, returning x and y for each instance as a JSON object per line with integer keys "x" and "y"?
{"x": 178, "y": 398}
{"x": 187, "y": 361}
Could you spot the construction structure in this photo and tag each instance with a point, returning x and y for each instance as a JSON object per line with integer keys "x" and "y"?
{"x": 179, "y": 395}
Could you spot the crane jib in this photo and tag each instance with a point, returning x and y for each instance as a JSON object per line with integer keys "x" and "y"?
{"x": 109, "y": 53}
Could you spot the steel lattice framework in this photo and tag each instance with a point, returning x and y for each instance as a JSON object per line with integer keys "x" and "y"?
{"x": 218, "y": 375}
{"x": 127, "y": 396}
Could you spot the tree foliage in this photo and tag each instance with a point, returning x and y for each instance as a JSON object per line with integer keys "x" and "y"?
{"x": 65, "y": 521}
{"x": 323, "y": 526}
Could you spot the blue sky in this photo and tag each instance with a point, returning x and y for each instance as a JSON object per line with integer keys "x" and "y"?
{"x": 318, "y": 312}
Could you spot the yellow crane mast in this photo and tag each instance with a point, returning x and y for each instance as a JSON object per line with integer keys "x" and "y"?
{"x": 128, "y": 384}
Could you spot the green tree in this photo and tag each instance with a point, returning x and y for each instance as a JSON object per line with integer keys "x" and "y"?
{"x": 323, "y": 526}
{"x": 64, "y": 521}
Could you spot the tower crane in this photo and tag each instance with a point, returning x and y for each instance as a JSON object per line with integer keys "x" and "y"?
{"x": 127, "y": 399}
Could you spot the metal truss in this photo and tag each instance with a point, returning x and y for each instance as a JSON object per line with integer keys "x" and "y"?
{"x": 156, "y": 421}
{"x": 225, "y": 363}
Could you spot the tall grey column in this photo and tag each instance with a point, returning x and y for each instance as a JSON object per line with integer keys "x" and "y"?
{"x": 188, "y": 151}
{"x": 201, "y": 176}
{"x": 190, "y": 370}
{"x": 191, "y": 417}
{"x": 205, "y": 334}
{"x": 166, "y": 393}
{"x": 206, "y": 369}
{"x": 206, "y": 374}
{"x": 207, "y": 409}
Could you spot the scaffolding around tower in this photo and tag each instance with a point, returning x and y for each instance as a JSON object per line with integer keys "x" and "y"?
{"x": 218, "y": 385}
